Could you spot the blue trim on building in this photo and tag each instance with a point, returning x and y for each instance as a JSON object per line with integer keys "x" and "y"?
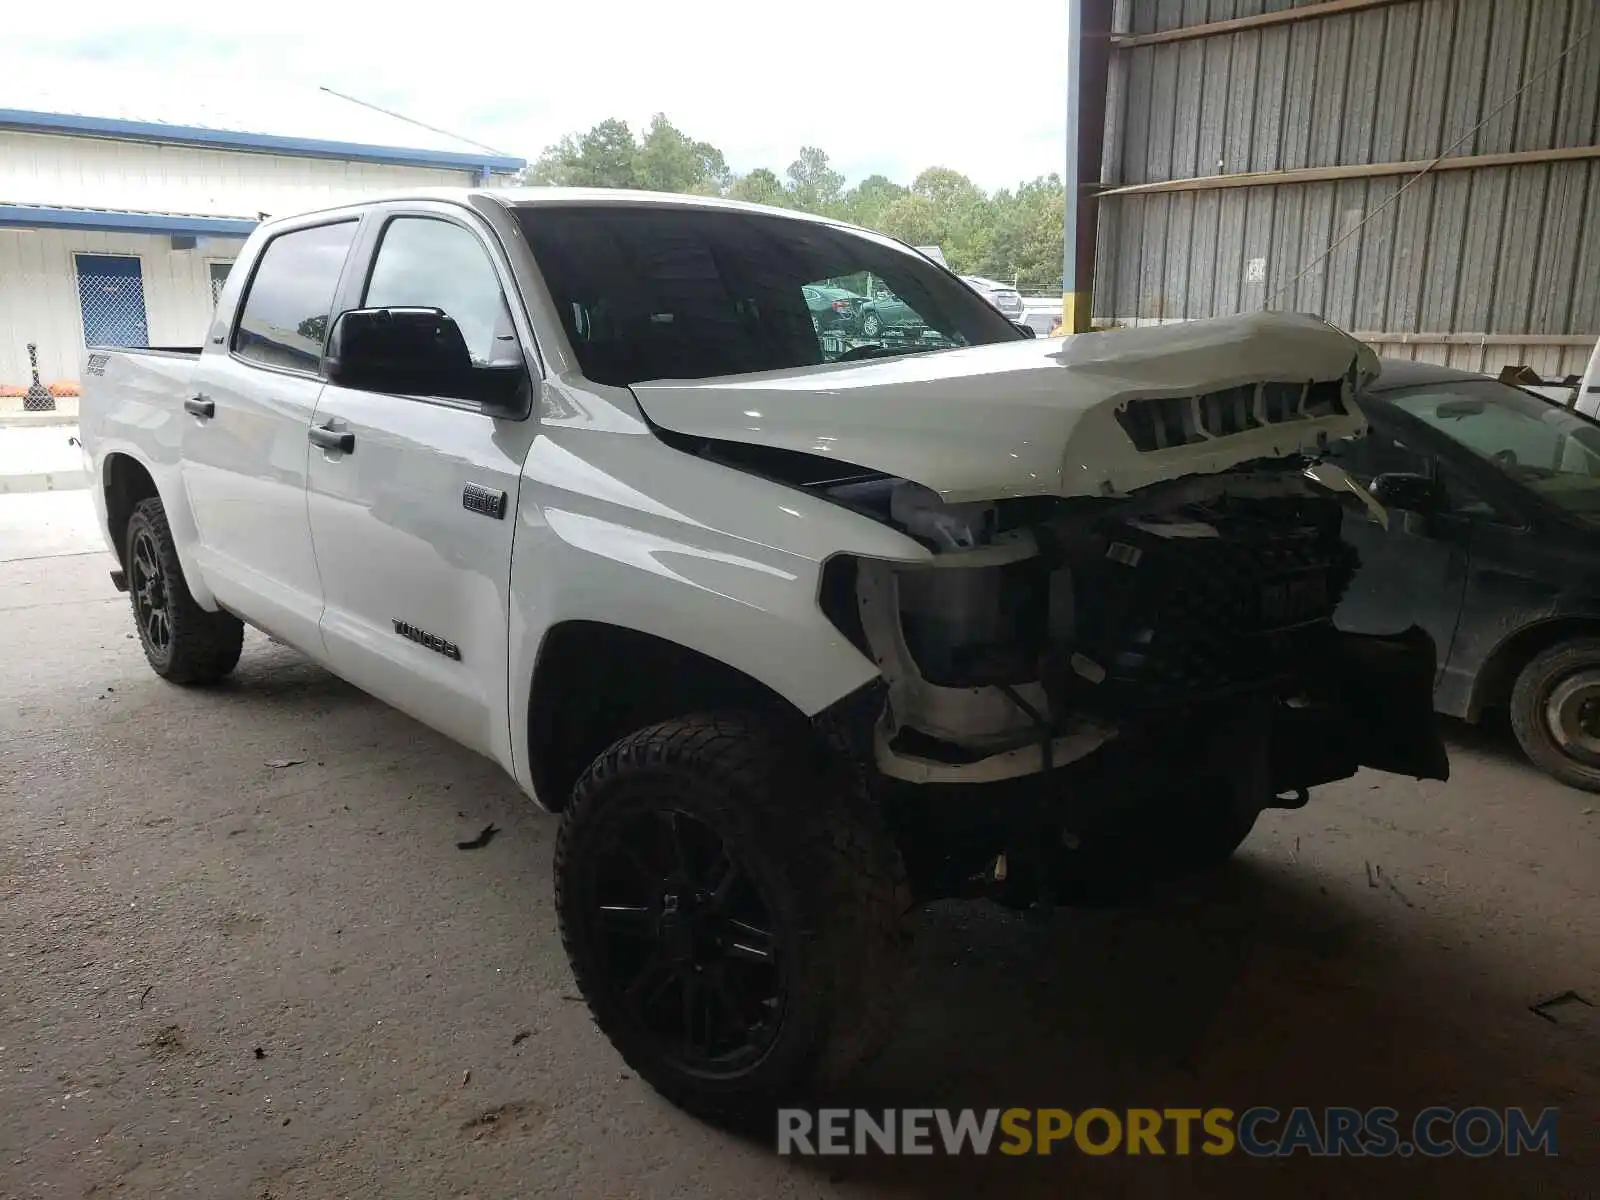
{"x": 260, "y": 143}
{"x": 28, "y": 216}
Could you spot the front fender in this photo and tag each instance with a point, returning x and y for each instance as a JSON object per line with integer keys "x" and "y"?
{"x": 624, "y": 530}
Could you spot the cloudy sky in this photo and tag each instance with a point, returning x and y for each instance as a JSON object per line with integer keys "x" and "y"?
{"x": 881, "y": 86}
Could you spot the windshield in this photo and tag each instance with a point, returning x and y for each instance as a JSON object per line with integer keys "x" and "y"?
{"x": 1547, "y": 448}
{"x": 652, "y": 292}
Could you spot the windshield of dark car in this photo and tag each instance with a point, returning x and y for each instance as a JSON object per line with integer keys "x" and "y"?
{"x": 1546, "y": 447}
{"x": 654, "y": 292}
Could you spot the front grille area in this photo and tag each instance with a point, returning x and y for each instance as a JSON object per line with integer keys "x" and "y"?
{"x": 1159, "y": 424}
{"x": 1173, "y": 617}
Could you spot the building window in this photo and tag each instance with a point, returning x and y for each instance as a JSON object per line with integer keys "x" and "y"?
{"x": 111, "y": 300}
{"x": 219, "y": 278}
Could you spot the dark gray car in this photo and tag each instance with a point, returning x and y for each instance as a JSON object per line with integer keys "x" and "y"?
{"x": 1493, "y": 548}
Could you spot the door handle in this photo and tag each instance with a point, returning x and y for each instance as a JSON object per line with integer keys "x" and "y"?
{"x": 201, "y": 406}
{"x": 330, "y": 438}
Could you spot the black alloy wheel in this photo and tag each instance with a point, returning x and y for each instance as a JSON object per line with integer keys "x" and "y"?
{"x": 689, "y": 945}
{"x": 147, "y": 581}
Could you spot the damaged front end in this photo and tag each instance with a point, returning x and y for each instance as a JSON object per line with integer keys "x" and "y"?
{"x": 1083, "y": 658}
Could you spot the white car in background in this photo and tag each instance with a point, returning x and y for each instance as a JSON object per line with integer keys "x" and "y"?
{"x": 1004, "y": 297}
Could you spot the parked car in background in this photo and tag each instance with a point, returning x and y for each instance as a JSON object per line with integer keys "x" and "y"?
{"x": 885, "y": 314}
{"x": 1493, "y": 547}
{"x": 833, "y": 308}
{"x": 1002, "y": 295}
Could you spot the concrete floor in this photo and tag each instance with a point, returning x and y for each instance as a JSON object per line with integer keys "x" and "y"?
{"x": 229, "y": 978}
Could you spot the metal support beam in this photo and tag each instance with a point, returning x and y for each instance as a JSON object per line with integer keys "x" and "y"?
{"x": 1478, "y": 339}
{"x": 1203, "y": 183}
{"x": 1088, "y": 59}
{"x": 1305, "y": 12}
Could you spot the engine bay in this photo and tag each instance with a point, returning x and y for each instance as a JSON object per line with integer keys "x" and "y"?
{"x": 1041, "y": 629}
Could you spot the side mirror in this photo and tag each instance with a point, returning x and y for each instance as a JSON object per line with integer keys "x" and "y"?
{"x": 1409, "y": 492}
{"x": 1025, "y": 329}
{"x": 415, "y": 352}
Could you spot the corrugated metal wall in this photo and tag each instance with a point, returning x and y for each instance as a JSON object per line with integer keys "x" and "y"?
{"x": 1501, "y": 252}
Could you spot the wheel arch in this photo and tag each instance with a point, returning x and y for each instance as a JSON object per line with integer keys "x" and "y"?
{"x": 1498, "y": 675}
{"x": 125, "y": 481}
{"x": 594, "y": 682}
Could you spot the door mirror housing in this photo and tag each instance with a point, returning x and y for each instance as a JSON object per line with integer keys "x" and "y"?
{"x": 416, "y": 352}
{"x": 1409, "y": 492}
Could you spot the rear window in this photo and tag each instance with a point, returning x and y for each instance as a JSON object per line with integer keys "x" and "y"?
{"x": 284, "y": 322}
{"x": 675, "y": 293}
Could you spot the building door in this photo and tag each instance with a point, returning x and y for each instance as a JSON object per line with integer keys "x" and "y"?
{"x": 111, "y": 294}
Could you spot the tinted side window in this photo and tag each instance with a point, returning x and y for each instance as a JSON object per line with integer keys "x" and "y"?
{"x": 426, "y": 263}
{"x": 285, "y": 318}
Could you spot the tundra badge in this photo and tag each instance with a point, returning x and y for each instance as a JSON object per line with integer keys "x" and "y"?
{"x": 489, "y": 502}
{"x": 423, "y": 638}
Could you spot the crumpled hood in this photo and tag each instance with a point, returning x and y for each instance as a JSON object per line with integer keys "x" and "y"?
{"x": 1033, "y": 417}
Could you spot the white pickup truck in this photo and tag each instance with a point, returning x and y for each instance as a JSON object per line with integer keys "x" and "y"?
{"x": 793, "y": 633}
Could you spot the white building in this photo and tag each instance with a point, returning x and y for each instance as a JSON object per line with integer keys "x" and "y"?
{"x": 118, "y": 227}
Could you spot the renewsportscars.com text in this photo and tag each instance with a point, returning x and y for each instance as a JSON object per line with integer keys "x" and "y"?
{"x": 1260, "y": 1132}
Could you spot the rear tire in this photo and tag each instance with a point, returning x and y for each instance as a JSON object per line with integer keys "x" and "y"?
{"x": 871, "y": 325}
{"x": 733, "y": 910}
{"x": 1555, "y": 712}
{"x": 183, "y": 642}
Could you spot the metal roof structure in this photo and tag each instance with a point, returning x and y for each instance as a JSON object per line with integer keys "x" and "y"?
{"x": 106, "y": 220}
{"x": 232, "y": 113}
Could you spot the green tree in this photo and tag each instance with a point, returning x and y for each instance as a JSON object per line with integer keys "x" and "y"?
{"x": 1007, "y": 234}
{"x": 946, "y": 209}
{"x": 556, "y": 166}
{"x": 814, "y": 186}
{"x": 867, "y": 202}
{"x": 608, "y": 156}
{"x": 914, "y": 220}
{"x": 761, "y": 186}
{"x": 949, "y": 190}
{"x": 670, "y": 161}
{"x": 1027, "y": 234}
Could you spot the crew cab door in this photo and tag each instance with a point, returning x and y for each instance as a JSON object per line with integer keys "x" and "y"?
{"x": 244, "y": 443}
{"x": 412, "y": 520}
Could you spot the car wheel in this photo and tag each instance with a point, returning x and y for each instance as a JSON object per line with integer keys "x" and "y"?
{"x": 871, "y": 326}
{"x": 182, "y": 641}
{"x": 1555, "y": 712}
{"x": 733, "y": 910}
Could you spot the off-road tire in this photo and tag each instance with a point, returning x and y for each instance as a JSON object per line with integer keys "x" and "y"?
{"x": 201, "y": 646}
{"x": 797, "y": 823}
{"x": 1536, "y": 684}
